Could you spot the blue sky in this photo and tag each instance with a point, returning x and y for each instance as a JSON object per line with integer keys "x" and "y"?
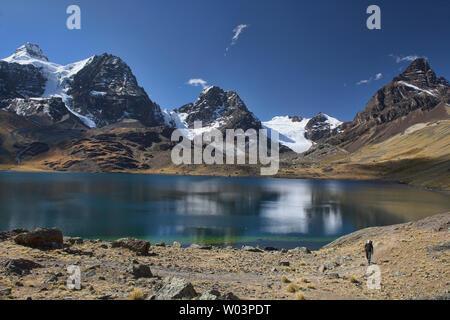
{"x": 294, "y": 57}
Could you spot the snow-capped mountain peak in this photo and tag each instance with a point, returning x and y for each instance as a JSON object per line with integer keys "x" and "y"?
{"x": 100, "y": 90}
{"x": 57, "y": 76}
{"x": 27, "y": 52}
{"x": 299, "y": 134}
{"x": 215, "y": 108}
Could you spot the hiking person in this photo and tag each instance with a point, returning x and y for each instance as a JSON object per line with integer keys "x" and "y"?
{"x": 369, "y": 250}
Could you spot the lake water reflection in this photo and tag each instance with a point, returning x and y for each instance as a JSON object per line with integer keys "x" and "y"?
{"x": 277, "y": 212}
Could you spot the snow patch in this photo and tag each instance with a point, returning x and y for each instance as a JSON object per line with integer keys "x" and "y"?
{"x": 291, "y": 134}
{"x": 417, "y": 88}
{"x": 98, "y": 93}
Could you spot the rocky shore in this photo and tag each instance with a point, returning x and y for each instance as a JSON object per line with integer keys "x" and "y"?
{"x": 413, "y": 259}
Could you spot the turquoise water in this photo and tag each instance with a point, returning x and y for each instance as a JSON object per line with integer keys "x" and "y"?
{"x": 258, "y": 211}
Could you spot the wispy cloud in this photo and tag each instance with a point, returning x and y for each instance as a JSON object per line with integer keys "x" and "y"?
{"x": 377, "y": 77}
{"x": 237, "y": 32}
{"x": 197, "y": 82}
{"x": 410, "y": 58}
{"x": 364, "y": 82}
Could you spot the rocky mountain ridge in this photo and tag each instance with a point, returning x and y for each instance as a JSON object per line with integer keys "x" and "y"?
{"x": 415, "y": 96}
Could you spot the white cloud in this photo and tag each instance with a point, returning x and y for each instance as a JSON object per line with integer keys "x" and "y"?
{"x": 400, "y": 59}
{"x": 197, "y": 82}
{"x": 378, "y": 76}
{"x": 237, "y": 32}
{"x": 364, "y": 82}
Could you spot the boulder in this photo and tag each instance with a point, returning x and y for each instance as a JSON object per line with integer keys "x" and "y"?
{"x": 139, "y": 246}
{"x": 41, "y": 238}
{"x": 19, "y": 266}
{"x": 175, "y": 289}
{"x": 140, "y": 270}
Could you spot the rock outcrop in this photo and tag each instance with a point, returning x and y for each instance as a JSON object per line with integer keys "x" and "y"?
{"x": 175, "y": 289}
{"x": 141, "y": 247}
{"x": 106, "y": 91}
{"x": 41, "y": 238}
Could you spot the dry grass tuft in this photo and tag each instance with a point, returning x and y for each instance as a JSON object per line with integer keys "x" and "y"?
{"x": 137, "y": 294}
{"x": 292, "y": 288}
{"x": 300, "y": 296}
{"x": 353, "y": 280}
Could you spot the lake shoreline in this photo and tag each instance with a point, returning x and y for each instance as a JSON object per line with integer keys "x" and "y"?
{"x": 413, "y": 258}
{"x": 278, "y": 176}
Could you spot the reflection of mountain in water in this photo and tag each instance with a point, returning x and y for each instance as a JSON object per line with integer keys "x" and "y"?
{"x": 196, "y": 209}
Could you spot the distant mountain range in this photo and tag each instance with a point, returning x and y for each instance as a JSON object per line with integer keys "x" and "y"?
{"x": 102, "y": 90}
{"x": 93, "y": 116}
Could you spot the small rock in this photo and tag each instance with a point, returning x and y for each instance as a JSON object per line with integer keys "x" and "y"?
{"x": 284, "y": 250}
{"x": 160, "y": 244}
{"x": 229, "y": 296}
{"x": 73, "y": 240}
{"x": 6, "y": 235}
{"x": 399, "y": 274}
{"x": 90, "y": 274}
{"x": 53, "y": 278}
{"x": 5, "y": 291}
{"x": 140, "y": 270}
{"x": 270, "y": 249}
{"x": 41, "y": 238}
{"x": 322, "y": 268}
{"x": 285, "y": 263}
{"x": 210, "y": 295}
{"x": 251, "y": 249}
{"x": 301, "y": 250}
{"x": 443, "y": 246}
{"x": 176, "y": 244}
{"x": 139, "y": 246}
